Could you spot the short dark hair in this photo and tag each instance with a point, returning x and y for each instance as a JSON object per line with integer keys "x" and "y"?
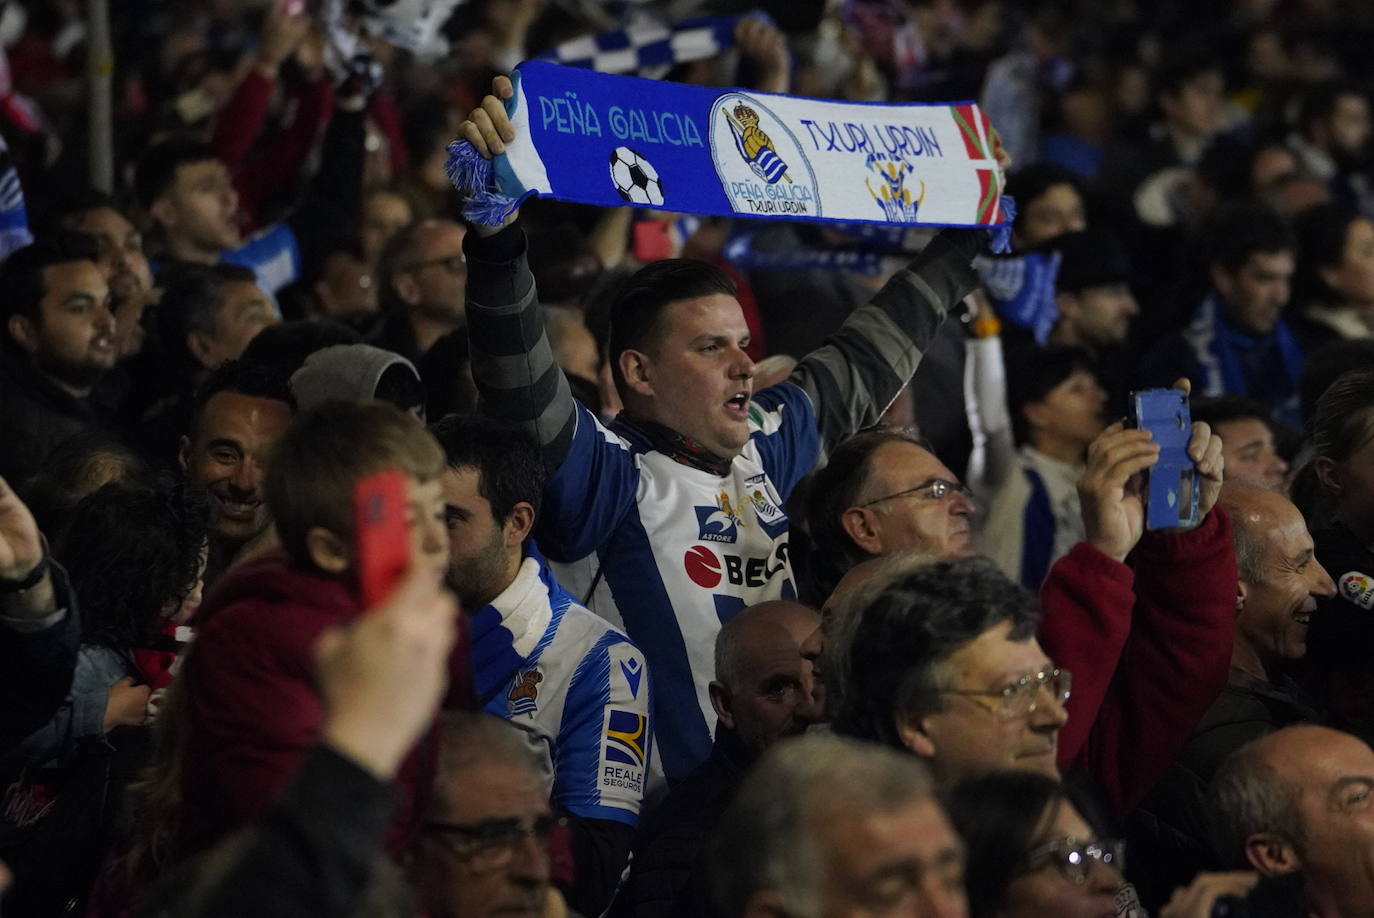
{"x": 69, "y": 206}
{"x": 156, "y": 170}
{"x": 287, "y": 345}
{"x": 1033, "y": 373}
{"x": 1245, "y": 228}
{"x": 914, "y": 622}
{"x": 193, "y": 301}
{"x": 1222, "y": 409}
{"x": 131, "y": 552}
{"x": 1319, "y": 103}
{"x": 1327, "y": 364}
{"x": 1029, "y": 183}
{"x": 75, "y": 468}
{"x": 997, "y": 815}
{"x": 396, "y": 257}
{"x": 509, "y": 468}
{"x": 836, "y": 488}
{"x": 1183, "y": 64}
{"x": 1321, "y": 232}
{"x": 640, "y": 300}
{"x": 22, "y": 287}
{"x": 1247, "y": 795}
{"x": 244, "y": 377}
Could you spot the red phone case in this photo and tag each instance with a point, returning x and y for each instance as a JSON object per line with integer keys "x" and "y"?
{"x": 381, "y": 533}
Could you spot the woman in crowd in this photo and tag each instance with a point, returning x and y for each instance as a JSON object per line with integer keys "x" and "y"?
{"x": 1029, "y": 852}
{"x": 1334, "y": 295}
{"x": 1335, "y": 491}
{"x": 136, "y": 557}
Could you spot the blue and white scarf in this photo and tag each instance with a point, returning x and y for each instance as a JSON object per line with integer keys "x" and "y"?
{"x": 647, "y": 48}
{"x": 609, "y": 140}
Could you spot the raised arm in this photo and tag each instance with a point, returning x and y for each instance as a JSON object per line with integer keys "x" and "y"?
{"x": 512, "y": 363}
{"x": 855, "y": 375}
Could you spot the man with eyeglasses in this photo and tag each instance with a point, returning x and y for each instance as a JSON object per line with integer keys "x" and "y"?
{"x": 421, "y": 285}
{"x": 884, "y": 492}
{"x": 942, "y": 660}
{"x": 482, "y": 849}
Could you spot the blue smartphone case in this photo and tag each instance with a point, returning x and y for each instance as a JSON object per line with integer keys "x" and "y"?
{"x": 1171, "y": 486}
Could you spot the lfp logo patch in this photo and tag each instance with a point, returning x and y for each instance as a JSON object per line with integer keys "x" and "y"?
{"x": 1358, "y": 588}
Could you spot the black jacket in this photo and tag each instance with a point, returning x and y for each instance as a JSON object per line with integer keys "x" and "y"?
{"x": 665, "y": 871}
{"x": 1169, "y": 832}
{"x": 35, "y": 415}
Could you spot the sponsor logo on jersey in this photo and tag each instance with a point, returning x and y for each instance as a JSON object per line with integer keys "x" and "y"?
{"x": 719, "y": 523}
{"x": 524, "y": 692}
{"x": 624, "y": 755}
{"x": 1358, "y": 588}
{"x": 707, "y": 569}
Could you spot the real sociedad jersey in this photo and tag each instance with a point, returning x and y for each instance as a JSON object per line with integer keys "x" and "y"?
{"x": 687, "y": 549}
{"x": 575, "y": 685}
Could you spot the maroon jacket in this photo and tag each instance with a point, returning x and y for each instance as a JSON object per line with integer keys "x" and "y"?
{"x": 252, "y": 709}
{"x": 1149, "y": 647}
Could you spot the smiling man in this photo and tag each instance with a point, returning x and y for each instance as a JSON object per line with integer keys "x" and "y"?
{"x": 1279, "y": 582}
{"x": 240, "y": 413}
{"x": 681, "y": 497}
{"x": 59, "y": 340}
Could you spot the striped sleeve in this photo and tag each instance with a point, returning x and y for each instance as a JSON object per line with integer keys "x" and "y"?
{"x": 512, "y": 363}
{"x": 855, "y": 375}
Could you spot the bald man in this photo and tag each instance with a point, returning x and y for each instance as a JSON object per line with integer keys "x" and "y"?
{"x": 1301, "y": 800}
{"x": 763, "y": 692}
{"x": 835, "y": 611}
{"x": 1279, "y": 582}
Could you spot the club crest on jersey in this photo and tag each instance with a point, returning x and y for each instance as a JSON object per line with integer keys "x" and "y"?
{"x": 1358, "y": 588}
{"x": 761, "y": 496}
{"x": 524, "y": 693}
{"x": 719, "y": 523}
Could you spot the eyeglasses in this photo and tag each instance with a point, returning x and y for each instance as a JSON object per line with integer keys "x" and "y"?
{"x": 933, "y": 489}
{"x": 489, "y": 845}
{"x": 1074, "y": 858}
{"x": 454, "y": 264}
{"x": 1022, "y": 697}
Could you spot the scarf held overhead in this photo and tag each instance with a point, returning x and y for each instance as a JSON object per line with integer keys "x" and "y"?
{"x": 595, "y": 138}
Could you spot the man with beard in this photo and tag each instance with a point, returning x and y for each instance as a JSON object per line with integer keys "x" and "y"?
{"x": 120, "y": 256}
{"x": 575, "y": 685}
{"x": 59, "y": 340}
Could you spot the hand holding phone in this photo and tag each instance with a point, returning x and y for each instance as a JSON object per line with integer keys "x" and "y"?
{"x": 1171, "y": 494}
{"x": 381, "y": 535}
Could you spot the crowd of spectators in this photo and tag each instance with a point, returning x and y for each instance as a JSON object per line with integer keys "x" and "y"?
{"x": 756, "y": 569}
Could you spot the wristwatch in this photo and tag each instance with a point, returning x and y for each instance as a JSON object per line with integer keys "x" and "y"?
{"x": 29, "y": 581}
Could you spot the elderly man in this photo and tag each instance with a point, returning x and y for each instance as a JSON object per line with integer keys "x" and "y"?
{"x": 826, "y": 827}
{"x": 1278, "y": 584}
{"x": 481, "y": 850}
{"x": 763, "y": 693}
{"x": 1298, "y": 802}
{"x": 946, "y": 658}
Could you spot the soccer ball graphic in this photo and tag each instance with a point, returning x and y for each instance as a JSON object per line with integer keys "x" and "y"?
{"x": 635, "y": 178}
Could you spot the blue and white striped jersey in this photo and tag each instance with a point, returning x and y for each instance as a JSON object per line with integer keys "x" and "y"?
{"x": 682, "y": 549}
{"x": 575, "y": 685}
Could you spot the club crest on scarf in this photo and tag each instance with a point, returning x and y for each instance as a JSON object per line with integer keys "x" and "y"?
{"x": 759, "y": 161}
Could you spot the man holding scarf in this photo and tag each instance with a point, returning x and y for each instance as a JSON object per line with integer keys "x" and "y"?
{"x": 681, "y": 496}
